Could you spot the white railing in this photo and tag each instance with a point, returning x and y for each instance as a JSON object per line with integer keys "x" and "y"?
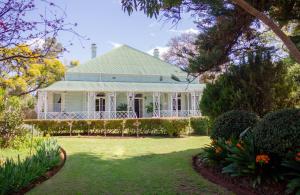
{"x": 115, "y": 114}
{"x": 87, "y": 115}
{"x": 179, "y": 113}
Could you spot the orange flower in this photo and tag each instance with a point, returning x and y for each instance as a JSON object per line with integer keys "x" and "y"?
{"x": 228, "y": 142}
{"x": 213, "y": 142}
{"x": 297, "y": 158}
{"x": 262, "y": 159}
{"x": 239, "y": 146}
{"x": 218, "y": 150}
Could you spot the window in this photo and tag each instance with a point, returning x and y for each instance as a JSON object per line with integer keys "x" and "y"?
{"x": 57, "y": 102}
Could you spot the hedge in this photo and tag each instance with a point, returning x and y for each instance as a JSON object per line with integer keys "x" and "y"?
{"x": 201, "y": 126}
{"x": 231, "y": 124}
{"x": 278, "y": 132}
{"x": 145, "y": 126}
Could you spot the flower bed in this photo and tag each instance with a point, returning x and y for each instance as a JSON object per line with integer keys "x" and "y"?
{"x": 19, "y": 176}
{"x": 247, "y": 161}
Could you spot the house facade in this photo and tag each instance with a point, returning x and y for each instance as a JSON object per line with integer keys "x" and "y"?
{"x": 123, "y": 83}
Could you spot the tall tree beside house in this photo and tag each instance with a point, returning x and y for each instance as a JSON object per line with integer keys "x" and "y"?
{"x": 22, "y": 76}
{"x": 182, "y": 49}
{"x": 229, "y": 26}
{"x": 257, "y": 84}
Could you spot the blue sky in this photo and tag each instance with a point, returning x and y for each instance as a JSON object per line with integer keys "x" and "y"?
{"x": 105, "y": 24}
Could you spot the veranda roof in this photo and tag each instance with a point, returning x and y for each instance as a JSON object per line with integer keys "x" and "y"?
{"x": 123, "y": 87}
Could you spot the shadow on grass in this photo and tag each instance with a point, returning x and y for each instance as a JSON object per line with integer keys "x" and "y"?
{"x": 90, "y": 173}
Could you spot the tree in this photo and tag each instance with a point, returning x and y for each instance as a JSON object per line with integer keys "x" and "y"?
{"x": 181, "y": 49}
{"x": 22, "y": 23}
{"x": 258, "y": 85}
{"x": 227, "y": 28}
{"x": 21, "y": 76}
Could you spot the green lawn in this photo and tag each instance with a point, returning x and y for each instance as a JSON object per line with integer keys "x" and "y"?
{"x": 129, "y": 166}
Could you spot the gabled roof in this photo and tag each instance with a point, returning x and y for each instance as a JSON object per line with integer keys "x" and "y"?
{"x": 127, "y": 60}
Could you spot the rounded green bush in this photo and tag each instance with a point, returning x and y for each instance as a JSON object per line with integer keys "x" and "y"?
{"x": 231, "y": 124}
{"x": 278, "y": 132}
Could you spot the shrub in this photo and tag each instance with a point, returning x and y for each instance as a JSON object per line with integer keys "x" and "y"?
{"x": 231, "y": 124}
{"x": 292, "y": 163}
{"x": 278, "y": 132}
{"x": 151, "y": 126}
{"x": 15, "y": 175}
{"x": 11, "y": 121}
{"x": 201, "y": 126}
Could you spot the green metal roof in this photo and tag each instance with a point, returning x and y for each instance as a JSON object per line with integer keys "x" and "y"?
{"x": 127, "y": 60}
{"x": 122, "y": 87}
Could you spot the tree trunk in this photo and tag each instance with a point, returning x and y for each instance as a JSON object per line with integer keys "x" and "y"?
{"x": 295, "y": 53}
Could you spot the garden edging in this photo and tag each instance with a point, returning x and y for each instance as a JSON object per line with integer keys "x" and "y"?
{"x": 215, "y": 178}
{"x": 50, "y": 173}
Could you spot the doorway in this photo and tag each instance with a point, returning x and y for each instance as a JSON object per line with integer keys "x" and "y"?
{"x": 138, "y": 106}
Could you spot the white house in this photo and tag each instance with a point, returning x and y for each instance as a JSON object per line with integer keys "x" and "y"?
{"x": 123, "y": 83}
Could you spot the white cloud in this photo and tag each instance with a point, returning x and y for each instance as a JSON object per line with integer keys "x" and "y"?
{"x": 189, "y": 30}
{"x": 114, "y": 44}
{"x": 161, "y": 50}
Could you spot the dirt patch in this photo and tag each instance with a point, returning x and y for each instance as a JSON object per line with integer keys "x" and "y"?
{"x": 238, "y": 185}
{"x": 47, "y": 175}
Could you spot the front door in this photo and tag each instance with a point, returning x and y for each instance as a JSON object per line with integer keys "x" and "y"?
{"x": 138, "y": 107}
{"x": 100, "y": 104}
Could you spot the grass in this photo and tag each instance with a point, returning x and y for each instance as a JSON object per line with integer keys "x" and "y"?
{"x": 129, "y": 166}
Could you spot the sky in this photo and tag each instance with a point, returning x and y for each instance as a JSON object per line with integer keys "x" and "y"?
{"x": 103, "y": 22}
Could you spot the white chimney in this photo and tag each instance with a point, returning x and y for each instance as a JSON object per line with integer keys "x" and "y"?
{"x": 156, "y": 53}
{"x": 94, "y": 50}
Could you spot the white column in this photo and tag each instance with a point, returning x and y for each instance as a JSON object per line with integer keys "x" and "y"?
{"x": 171, "y": 104}
{"x": 156, "y": 104}
{"x": 188, "y": 103}
{"x": 112, "y": 105}
{"x": 130, "y": 103}
{"x": 45, "y": 105}
{"x": 63, "y": 100}
{"x": 176, "y": 103}
{"x": 88, "y": 105}
{"x": 193, "y": 96}
{"x": 40, "y": 103}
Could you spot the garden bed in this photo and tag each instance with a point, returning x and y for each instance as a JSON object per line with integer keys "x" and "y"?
{"x": 47, "y": 175}
{"x": 238, "y": 185}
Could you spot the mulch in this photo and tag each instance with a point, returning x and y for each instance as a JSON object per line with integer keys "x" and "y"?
{"x": 238, "y": 185}
{"x": 46, "y": 176}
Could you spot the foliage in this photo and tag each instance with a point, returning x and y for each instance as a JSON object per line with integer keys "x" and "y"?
{"x": 181, "y": 49}
{"x": 231, "y": 124}
{"x": 215, "y": 153}
{"x": 25, "y": 22}
{"x": 11, "y": 121}
{"x": 278, "y": 132}
{"x": 29, "y": 74}
{"x": 172, "y": 127}
{"x": 201, "y": 125}
{"x": 122, "y": 107}
{"x": 258, "y": 85}
{"x": 292, "y": 163}
{"x": 227, "y": 29}
{"x": 15, "y": 175}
